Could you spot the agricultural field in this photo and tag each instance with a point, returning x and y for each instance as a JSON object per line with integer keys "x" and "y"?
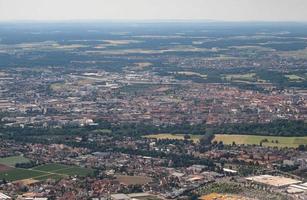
{"x": 50, "y": 167}
{"x": 164, "y": 136}
{"x": 13, "y": 160}
{"x": 245, "y": 77}
{"x": 269, "y": 141}
{"x": 272, "y": 141}
{"x": 19, "y": 174}
{"x": 43, "y": 172}
{"x": 295, "y": 78}
{"x": 4, "y": 168}
{"x": 187, "y": 73}
{"x": 215, "y": 196}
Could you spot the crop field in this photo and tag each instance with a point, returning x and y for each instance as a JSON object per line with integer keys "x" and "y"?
{"x": 51, "y": 167}
{"x": 187, "y": 73}
{"x": 18, "y": 174}
{"x": 269, "y": 141}
{"x": 13, "y": 160}
{"x": 295, "y": 78}
{"x": 247, "y": 77}
{"x": 272, "y": 141}
{"x": 72, "y": 171}
{"x": 215, "y": 196}
{"x": 164, "y": 136}
{"x": 43, "y": 172}
{"x": 4, "y": 168}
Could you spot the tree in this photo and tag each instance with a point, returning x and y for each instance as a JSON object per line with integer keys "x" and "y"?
{"x": 187, "y": 137}
{"x": 301, "y": 147}
{"x": 206, "y": 139}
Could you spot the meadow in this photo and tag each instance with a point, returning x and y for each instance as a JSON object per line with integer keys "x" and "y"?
{"x": 13, "y": 160}
{"x": 270, "y": 141}
{"x": 43, "y": 172}
{"x": 165, "y": 136}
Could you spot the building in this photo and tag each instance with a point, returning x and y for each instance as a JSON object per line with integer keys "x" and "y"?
{"x": 273, "y": 181}
{"x": 120, "y": 197}
{"x": 4, "y": 197}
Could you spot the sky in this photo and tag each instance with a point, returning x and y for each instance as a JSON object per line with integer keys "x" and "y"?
{"x": 224, "y": 10}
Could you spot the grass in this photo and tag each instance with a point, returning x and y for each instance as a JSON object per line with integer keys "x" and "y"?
{"x": 13, "y": 160}
{"x": 67, "y": 170}
{"x": 50, "y": 176}
{"x": 245, "y": 77}
{"x": 57, "y": 86}
{"x": 253, "y": 139}
{"x": 188, "y": 73}
{"x": 291, "y": 142}
{"x": 72, "y": 171}
{"x": 19, "y": 174}
{"x": 165, "y": 136}
{"x": 51, "y": 167}
{"x": 43, "y": 172}
{"x": 214, "y": 196}
{"x": 295, "y": 78}
{"x": 103, "y": 131}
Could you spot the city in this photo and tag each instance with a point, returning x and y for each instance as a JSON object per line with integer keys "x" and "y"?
{"x": 152, "y": 109}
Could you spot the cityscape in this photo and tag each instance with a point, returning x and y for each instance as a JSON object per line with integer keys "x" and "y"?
{"x": 152, "y": 109}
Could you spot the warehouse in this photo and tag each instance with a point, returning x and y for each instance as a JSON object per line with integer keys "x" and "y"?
{"x": 273, "y": 181}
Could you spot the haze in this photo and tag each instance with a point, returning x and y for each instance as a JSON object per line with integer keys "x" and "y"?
{"x": 226, "y": 10}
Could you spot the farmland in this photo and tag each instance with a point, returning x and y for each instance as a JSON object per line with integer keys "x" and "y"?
{"x": 13, "y": 160}
{"x": 4, "y": 168}
{"x": 214, "y": 196}
{"x": 18, "y": 174}
{"x": 294, "y": 77}
{"x": 247, "y": 77}
{"x": 165, "y": 136}
{"x": 270, "y": 141}
{"x": 43, "y": 172}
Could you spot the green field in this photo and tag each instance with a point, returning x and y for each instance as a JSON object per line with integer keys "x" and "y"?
{"x": 246, "y": 77}
{"x": 187, "y": 73}
{"x": 65, "y": 170}
{"x": 253, "y": 139}
{"x": 19, "y": 174}
{"x": 72, "y": 171}
{"x": 43, "y": 172}
{"x": 49, "y": 176}
{"x": 295, "y": 78}
{"x": 51, "y": 167}
{"x": 241, "y": 139}
{"x": 13, "y": 160}
{"x": 164, "y": 136}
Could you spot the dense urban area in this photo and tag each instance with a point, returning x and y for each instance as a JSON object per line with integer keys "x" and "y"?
{"x": 153, "y": 111}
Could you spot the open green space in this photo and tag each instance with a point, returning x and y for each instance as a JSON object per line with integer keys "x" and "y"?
{"x": 18, "y": 174}
{"x": 43, "y": 172}
{"x": 13, "y": 160}
{"x": 165, "y": 136}
{"x": 270, "y": 141}
{"x": 295, "y": 78}
{"x": 51, "y": 167}
{"x": 246, "y": 77}
{"x": 49, "y": 176}
{"x": 72, "y": 171}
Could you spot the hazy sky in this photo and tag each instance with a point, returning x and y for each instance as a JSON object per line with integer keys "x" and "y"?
{"x": 229, "y": 10}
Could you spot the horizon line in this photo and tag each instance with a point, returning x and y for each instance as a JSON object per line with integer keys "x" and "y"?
{"x": 146, "y": 21}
